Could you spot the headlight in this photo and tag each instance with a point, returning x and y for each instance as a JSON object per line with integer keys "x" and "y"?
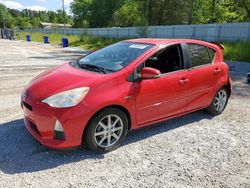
{"x": 67, "y": 98}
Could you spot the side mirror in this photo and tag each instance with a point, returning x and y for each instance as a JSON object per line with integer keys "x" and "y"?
{"x": 150, "y": 73}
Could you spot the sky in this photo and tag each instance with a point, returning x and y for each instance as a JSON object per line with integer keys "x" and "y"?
{"x": 36, "y": 4}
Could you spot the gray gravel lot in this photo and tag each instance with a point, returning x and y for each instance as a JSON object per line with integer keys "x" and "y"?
{"x": 196, "y": 150}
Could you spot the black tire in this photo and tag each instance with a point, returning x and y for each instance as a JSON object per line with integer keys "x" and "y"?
{"x": 212, "y": 108}
{"x": 89, "y": 138}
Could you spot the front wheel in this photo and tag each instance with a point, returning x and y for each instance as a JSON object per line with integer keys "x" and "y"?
{"x": 219, "y": 102}
{"x": 106, "y": 131}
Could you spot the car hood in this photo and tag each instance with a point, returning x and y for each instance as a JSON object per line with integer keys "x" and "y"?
{"x": 60, "y": 78}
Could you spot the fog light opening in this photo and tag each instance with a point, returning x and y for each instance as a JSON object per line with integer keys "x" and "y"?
{"x": 59, "y": 131}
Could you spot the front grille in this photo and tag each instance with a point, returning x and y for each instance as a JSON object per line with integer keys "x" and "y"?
{"x": 34, "y": 127}
{"x": 59, "y": 135}
{"x": 29, "y": 107}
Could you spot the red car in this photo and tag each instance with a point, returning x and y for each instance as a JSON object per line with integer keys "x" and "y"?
{"x": 98, "y": 98}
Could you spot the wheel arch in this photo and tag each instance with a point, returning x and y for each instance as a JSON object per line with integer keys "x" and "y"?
{"x": 122, "y": 108}
{"x": 228, "y": 86}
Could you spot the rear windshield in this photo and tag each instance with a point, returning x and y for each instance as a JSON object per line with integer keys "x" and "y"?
{"x": 115, "y": 57}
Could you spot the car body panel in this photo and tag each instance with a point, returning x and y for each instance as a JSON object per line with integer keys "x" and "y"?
{"x": 201, "y": 85}
{"x": 61, "y": 78}
{"x": 160, "y": 98}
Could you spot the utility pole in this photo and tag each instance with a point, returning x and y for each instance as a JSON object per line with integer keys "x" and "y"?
{"x": 63, "y": 17}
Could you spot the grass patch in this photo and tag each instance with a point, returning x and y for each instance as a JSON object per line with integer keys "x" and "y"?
{"x": 234, "y": 51}
{"x": 93, "y": 42}
{"x": 83, "y": 41}
{"x": 237, "y": 51}
{"x": 53, "y": 38}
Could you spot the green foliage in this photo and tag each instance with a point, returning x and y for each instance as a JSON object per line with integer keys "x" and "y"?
{"x": 93, "y": 43}
{"x": 35, "y": 22}
{"x": 237, "y": 51}
{"x": 54, "y": 38}
{"x": 129, "y": 15}
{"x": 97, "y": 13}
{"x": 218, "y": 11}
{"x": 23, "y": 22}
{"x": 30, "y": 19}
{"x": 124, "y": 13}
{"x": 6, "y": 20}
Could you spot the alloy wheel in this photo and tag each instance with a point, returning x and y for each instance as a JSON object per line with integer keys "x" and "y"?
{"x": 108, "y": 131}
{"x": 220, "y": 101}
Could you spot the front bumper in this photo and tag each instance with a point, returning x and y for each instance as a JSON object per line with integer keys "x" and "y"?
{"x": 40, "y": 121}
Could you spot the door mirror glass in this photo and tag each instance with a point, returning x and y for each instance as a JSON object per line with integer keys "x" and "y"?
{"x": 150, "y": 73}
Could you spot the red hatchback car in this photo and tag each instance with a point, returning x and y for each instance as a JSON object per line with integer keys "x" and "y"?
{"x": 98, "y": 98}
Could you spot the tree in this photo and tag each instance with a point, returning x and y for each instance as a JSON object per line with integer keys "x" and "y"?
{"x": 142, "y": 13}
{"x": 215, "y": 11}
{"x": 163, "y": 12}
{"x": 23, "y": 23}
{"x": 129, "y": 15}
{"x": 53, "y": 17}
{"x": 35, "y": 22}
{"x": 97, "y": 13}
{"x": 246, "y": 5}
{"x": 191, "y": 12}
{"x": 30, "y": 18}
{"x": 6, "y": 20}
{"x": 60, "y": 17}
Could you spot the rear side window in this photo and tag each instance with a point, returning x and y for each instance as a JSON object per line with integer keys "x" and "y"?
{"x": 211, "y": 54}
{"x": 200, "y": 55}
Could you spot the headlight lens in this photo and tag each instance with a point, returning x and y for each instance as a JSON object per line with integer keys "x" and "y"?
{"x": 67, "y": 98}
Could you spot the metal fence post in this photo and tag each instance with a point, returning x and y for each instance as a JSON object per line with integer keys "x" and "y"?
{"x": 219, "y": 33}
{"x": 194, "y": 33}
{"x": 248, "y": 38}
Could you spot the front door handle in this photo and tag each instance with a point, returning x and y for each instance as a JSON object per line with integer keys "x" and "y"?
{"x": 184, "y": 81}
{"x": 217, "y": 71}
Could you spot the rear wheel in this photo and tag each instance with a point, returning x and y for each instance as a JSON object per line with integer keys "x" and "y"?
{"x": 219, "y": 102}
{"x": 107, "y": 130}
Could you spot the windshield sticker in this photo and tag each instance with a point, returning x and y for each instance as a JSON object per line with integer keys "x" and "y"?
{"x": 138, "y": 46}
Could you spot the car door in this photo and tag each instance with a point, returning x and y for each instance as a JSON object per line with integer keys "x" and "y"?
{"x": 165, "y": 96}
{"x": 202, "y": 73}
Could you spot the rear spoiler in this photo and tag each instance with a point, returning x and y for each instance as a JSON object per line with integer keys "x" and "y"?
{"x": 218, "y": 44}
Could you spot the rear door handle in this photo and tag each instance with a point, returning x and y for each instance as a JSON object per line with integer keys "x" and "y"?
{"x": 217, "y": 71}
{"x": 184, "y": 81}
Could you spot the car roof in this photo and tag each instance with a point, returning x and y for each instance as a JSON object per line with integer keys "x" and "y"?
{"x": 152, "y": 40}
{"x": 158, "y": 41}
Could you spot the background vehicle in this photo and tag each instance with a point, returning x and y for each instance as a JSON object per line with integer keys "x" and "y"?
{"x": 97, "y": 99}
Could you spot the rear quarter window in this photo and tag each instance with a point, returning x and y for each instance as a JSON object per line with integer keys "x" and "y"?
{"x": 200, "y": 55}
{"x": 211, "y": 54}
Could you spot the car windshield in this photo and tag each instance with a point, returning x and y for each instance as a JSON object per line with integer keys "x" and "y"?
{"x": 114, "y": 57}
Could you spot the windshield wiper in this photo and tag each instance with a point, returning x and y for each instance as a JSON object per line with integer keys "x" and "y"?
{"x": 92, "y": 67}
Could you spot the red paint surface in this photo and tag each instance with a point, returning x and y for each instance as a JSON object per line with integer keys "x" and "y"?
{"x": 147, "y": 101}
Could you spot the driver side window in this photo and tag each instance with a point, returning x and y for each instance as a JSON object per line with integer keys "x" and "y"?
{"x": 167, "y": 60}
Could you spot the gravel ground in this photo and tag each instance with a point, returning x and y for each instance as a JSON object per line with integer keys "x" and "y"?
{"x": 196, "y": 150}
